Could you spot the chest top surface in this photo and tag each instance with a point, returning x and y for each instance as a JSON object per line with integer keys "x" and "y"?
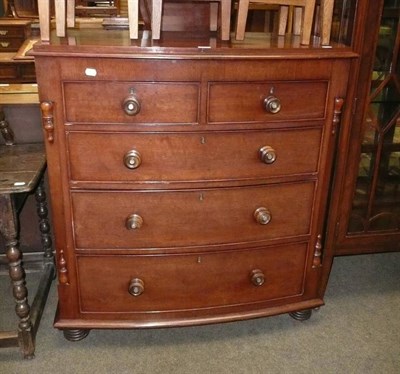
{"x": 105, "y": 43}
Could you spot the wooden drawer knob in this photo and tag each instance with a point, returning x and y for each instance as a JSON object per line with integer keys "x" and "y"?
{"x": 257, "y": 277}
{"x": 136, "y": 287}
{"x": 131, "y": 105}
{"x": 267, "y": 154}
{"x": 262, "y": 216}
{"x": 132, "y": 159}
{"x": 272, "y": 104}
{"x": 134, "y": 222}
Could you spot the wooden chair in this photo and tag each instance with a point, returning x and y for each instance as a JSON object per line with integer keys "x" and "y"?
{"x": 65, "y": 17}
{"x": 225, "y": 11}
{"x": 302, "y": 17}
{"x": 21, "y": 168}
{"x": 308, "y": 5}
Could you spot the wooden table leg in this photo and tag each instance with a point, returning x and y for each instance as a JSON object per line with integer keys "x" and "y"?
{"x": 48, "y": 273}
{"x": 44, "y": 225}
{"x": 9, "y": 230}
{"x": 133, "y": 18}
{"x": 243, "y": 10}
{"x": 326, "y": 20}
{"x": 225, "y": 19}
{"x": 156, "y": 15}
{"x": 44, "y": 19}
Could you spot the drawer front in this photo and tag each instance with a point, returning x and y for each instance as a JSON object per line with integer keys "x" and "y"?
{"x": 10, "y": 45}
{"x": 191, "y": 157}
{"x": 8, "y": 71}
{"x": 7, "y": 31}
{"x": 184, "y": 282}
{"x": 160, "y": 102}
{"x": 27, "y": 72}
{"x": 157, "y": 219}
{"x": 246, "y": 102}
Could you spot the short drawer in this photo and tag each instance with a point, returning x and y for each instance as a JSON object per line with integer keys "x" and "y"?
{"x": 132, "y": 102}
{"x": 10, "y": 45}
{"x": 10, "y": 31}
{"x": 160, "y": 219}
{"x": 177, "y": 157}
{"x": 257, "y": 102}
{"x": 27, "y": 72}
{"x": 183, "y": 282}
{"x": 8, "y": 71}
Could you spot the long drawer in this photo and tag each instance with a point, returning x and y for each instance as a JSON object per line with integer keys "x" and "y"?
{"x": 157, "y": 219}
{"x": 13, "y": 33}
{"x": 132, "y": 102}
{"x": 181, "y": 282}
{"x": 138, "y": 157}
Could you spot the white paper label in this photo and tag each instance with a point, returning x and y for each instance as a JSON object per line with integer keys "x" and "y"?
{"x": 90, "y": 72}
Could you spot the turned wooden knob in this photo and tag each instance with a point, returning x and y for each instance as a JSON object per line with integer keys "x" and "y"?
{"x": 267, "y": 154}
{"x": 262, "y": 216}
{"x": 272, "y": 104}
{"x": 132, "y": 159}
{"x": 131, "y": 105}
{"x": 136, "y": 287}
{"x": 257, "y": 277}
{"x": 134, "y": 222}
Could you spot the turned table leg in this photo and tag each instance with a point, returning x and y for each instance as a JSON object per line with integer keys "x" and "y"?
{"x": 44, "y": 225}
{"x": 9, "y": 230}
{"x": 48, "y": 273}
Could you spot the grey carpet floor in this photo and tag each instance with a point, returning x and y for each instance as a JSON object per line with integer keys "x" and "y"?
{"x": 357, "y": 331}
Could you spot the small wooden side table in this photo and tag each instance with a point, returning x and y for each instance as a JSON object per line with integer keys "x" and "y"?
{"x": 21, "y": 170}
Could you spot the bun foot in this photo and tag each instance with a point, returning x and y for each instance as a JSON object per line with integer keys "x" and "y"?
{"x": 301, "y": 315}
{"x": 75, "y": 335}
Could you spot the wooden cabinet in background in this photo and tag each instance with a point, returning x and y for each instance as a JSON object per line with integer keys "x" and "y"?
{"x": 16, "y": 71}
{"x": 13, "y": 33}
{"x": 365, "y": 211}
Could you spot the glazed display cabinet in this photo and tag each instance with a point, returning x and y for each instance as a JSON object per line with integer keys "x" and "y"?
{"x": 369, "y": 197}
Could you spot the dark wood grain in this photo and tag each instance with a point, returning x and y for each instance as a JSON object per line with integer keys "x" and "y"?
{"x": 191, "y": 157}
{"x": 183, "y": 282}
{"x": 190, "y": 218}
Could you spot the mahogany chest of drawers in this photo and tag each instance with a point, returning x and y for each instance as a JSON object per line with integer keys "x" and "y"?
{"x": 189, "y": 186}
{"x": 16, "y": 71}
{"x": 13, "y": 33}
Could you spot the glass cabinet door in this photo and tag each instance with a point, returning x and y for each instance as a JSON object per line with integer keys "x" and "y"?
{"x": 376, "y": 201}
{"x": 364, "y": 215}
